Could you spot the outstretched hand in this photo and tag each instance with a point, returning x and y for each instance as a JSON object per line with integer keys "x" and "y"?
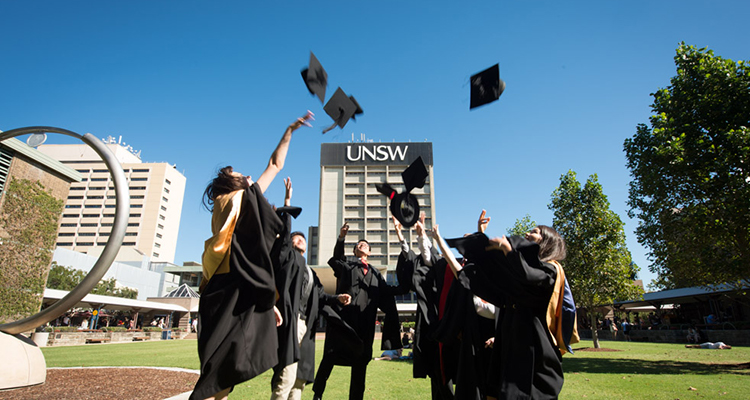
{"x": 303, "y": 120}
{"x": 288, "y": 196}
{"x": 483, "y": 222}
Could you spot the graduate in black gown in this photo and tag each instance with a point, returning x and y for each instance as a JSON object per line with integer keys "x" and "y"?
{"x": 301, "y": 296}
{"x": 237, "y": 314}
{"x": 426, "y": 276}
{"x": 524, "y": 278}
{"x": 351, "y": 331}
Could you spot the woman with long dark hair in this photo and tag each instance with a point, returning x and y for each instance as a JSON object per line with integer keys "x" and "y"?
{"x": 535, "y": 325}
{"x": 237, "y": 325}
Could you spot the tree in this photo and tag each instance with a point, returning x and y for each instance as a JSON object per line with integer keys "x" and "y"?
{"x": 598, "y": 266}
{"x": 521, "y": 226}
{"x": 691, "y": 174}
{"x": 66, "y": 278}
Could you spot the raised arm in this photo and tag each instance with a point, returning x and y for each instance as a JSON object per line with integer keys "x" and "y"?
{"x": 447, "y": 253}
{"x": 483, "y": 222}
{"x": 276, "y": 162}
{"x": 397, "y": 227}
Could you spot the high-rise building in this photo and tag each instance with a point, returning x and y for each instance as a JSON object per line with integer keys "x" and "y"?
{"x": 156, "y": 195}
{"x": 348, "y": 174}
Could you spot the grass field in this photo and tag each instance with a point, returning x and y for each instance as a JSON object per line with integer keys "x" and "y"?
{"x": 634, "y": 371}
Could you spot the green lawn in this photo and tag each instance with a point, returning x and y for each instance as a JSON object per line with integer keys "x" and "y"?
{"x": 636, "y": 371}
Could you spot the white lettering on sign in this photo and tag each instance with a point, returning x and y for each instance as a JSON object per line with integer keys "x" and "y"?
{"x": 377, "y": 153}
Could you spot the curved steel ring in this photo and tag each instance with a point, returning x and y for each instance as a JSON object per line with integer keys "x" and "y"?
{"x": 110, "y": 249}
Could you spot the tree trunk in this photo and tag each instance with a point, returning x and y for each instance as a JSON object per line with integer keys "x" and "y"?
{"x": 594, "y": 334}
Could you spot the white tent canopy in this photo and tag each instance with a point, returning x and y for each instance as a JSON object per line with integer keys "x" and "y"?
{"x": 113, "y": 303}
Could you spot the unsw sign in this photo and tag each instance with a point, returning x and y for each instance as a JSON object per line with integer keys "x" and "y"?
{"x": 374, "y": 153}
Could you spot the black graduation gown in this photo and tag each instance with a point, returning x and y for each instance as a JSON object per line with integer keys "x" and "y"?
{"x": 291, "y": 266}
{"x": 237, "y": 327}
{"x": 350, "y": 333}
{"x": 427, "y": 282}
{"x": 525, "y": 362}
{"x": 464, "y": 329}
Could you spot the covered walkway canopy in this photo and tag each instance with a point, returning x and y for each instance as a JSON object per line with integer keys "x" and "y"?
{"x": 112, "y": 303}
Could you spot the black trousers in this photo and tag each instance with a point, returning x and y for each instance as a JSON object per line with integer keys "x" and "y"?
{"x": 356, "y": 382}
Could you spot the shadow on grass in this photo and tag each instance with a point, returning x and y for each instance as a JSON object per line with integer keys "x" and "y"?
{"x": 648, "y": 367}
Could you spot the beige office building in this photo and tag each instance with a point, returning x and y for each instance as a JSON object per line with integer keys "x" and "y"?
{"x": 348, "y": 175}
{"x": 156, "y": 195}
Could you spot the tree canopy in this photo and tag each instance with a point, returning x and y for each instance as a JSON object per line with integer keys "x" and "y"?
{"x": 521, "y": 226}
{"x": 65, "y": 278}
{"x": 598, "y": 266}
{"x": 691, "y": 173}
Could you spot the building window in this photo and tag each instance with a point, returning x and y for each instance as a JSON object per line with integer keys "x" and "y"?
{"x": 109, "y": 215}
{"x": 138, "y": 179}
{"x": 64, "y": 243}
{"x": 135, "y": 215}
{"x": 105, "y": 233}
{"x": 131, "y": 234}
{"x": 166, "y": 190}
{"x": 134, "y": 224}
{"x": 138, "y": 188}
{"x": 128, "y": 243}
{"x": 89, "y": 225}
{"x": 72, "y": 206}
{"x": 95, "y": 197}
{"x": 90, "y": 215}
{"x": 66, "y": 234}
{"x": 158, "y": 235}
{"x": 165, "y": 199}
{"x": 106, "y": 224}
{"x": 97, "y": 188}
{"x": 98, "y": 180}
{"x": 101, "y": 243}
{"x": 92, "y": 206}
{"x": 155, "y": 254}
{"x": 71, "y": 215}
{"x": 140, "y": 170}
{"x": 157, "y": 245}
{"x": 101, "y": 171}
{"x": 162, "y": 217}
{"x": 110, "y": 206}
{"x": 136, "y": 206}
{"x": 163, "y": 208}
{"x": 168, "y": 182}
{"x": 68, "y": 225}
{"x": 138, "y": 197}
{"x": 160, "y": 226}
{"x": 83, "y": 171}
{"x": 78, "y": 188}
{"x": 86, "y": 234}
{"x": 84, "y": 243}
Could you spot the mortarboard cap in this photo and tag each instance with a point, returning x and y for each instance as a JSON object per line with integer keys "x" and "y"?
{"x": 315, "y": 78}
{"x": 340, "y": 108}
{"x": 471, "y": 246}
{"x": 486, "y": 86}
{"x": 415, "y": 175}
{"x": 404, "y": 206}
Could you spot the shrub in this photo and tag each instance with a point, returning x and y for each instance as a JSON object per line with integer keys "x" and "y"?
{"x": 115, "y": 329}
{"x": 152, "y": 329}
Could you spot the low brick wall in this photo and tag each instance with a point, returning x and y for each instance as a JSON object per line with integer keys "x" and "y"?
{"x": 731, "y": 337}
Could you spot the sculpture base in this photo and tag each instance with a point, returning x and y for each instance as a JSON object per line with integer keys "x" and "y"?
{"x": 23, "y": 362}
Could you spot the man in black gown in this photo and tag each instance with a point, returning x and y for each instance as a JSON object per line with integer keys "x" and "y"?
{"x": 349, "y": 338}
{"x": 301, "y": 296}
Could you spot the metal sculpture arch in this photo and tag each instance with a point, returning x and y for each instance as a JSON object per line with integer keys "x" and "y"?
{"x": 122, "y": 204}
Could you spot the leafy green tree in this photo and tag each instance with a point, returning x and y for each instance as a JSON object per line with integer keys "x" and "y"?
{"x": 28, "y": 231}
{"x": 598, "y": 266}
{"x": 691, "y": 173}
{"x": 66, "y": 278}
{"x": 521, "y": 226}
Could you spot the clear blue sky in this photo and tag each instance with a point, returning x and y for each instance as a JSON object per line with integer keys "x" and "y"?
{"x": 208, "y": 84}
